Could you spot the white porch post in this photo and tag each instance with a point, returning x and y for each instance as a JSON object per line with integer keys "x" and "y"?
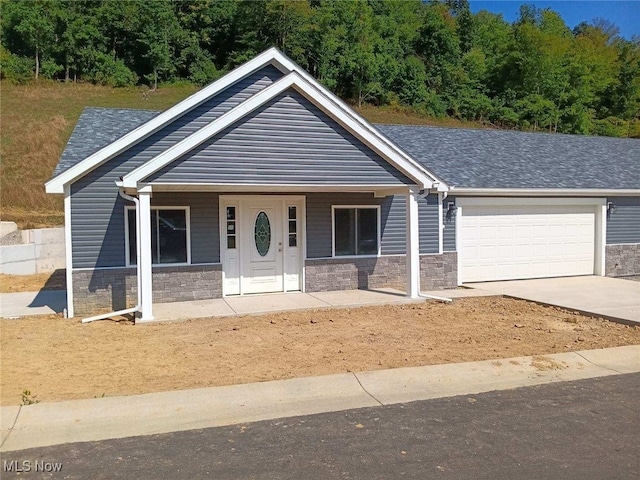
{"x": 146, "y": 285}
{"x": 413, "y": 245}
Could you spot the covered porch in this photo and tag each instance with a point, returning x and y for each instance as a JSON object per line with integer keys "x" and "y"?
{"x": 273, "y": 246}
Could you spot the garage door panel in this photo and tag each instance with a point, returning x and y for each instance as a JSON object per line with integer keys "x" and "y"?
{"x": 502, "y": 243}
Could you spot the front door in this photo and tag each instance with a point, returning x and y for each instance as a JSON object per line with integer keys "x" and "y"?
{"x": 261, "y": 244}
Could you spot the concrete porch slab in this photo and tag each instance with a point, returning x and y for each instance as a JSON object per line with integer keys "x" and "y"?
{"x": 611, "y": 298}
{"x": 358, "y": 298}
{"x": 274, "y": 302}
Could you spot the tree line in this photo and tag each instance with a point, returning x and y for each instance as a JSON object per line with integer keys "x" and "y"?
{"x": 436, "y": 58}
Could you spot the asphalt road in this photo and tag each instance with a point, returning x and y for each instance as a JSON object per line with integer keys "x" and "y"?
{"x": 587, "y": 429}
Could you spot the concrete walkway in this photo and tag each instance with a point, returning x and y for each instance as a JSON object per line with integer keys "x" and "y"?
{"x": 44, "y": 302}
{"x": 87, "y": 420}
{"x": 611, "y": 298}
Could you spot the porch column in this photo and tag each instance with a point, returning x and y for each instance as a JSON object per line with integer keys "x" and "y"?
{"x": 146, "y": 285}
{"x": 413, "y": 245}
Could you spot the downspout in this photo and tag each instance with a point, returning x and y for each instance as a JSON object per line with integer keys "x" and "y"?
{"x": 138, "y": 267}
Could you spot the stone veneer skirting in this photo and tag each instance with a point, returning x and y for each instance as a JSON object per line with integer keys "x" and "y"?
{"x": 622, "y": 260}
{"x": 326, "y": 274}
{"x": 116, "y": 288}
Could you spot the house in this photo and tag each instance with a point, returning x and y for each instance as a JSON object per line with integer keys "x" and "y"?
{"x": 264, "y": 181}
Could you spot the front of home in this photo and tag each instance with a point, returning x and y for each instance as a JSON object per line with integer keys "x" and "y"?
{"x": 266, "y": 182}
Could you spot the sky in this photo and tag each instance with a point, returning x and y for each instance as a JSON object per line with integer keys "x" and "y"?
{"x": 625, "y": 14}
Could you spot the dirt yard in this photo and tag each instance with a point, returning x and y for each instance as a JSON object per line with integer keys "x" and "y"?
{"x": 58, "y": 359}
{"x": 33, "y": 283}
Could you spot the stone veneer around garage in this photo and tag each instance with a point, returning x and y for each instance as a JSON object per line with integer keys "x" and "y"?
{"x": 115, "y": 288}
{"x": 622, "y": 260}
{"x": 436, "y": 272}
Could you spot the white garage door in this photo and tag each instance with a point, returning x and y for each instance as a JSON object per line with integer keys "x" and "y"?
{"x": 516, "y": 242}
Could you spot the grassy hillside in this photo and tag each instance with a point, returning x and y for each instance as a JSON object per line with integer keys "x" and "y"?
{"x": 37, "y": 120}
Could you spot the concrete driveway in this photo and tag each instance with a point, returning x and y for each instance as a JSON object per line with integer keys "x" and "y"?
{"x": 612, "y": 298}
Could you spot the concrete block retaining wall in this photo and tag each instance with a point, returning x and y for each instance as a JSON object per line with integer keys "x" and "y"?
{"x": 622, "y": 260}
{"x": 116, "y": 288}
{"x": 42, "y": 250}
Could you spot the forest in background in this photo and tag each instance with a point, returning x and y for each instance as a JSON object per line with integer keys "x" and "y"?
{"x": 434, "y": 58}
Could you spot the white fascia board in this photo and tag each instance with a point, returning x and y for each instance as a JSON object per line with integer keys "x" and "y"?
{"x": 56, "y": 184}
{"x": 292, "y": 80}
{"x": 440, "y": 184}
{"x": 132, "y": 179}
{"x": 544, "y": 192}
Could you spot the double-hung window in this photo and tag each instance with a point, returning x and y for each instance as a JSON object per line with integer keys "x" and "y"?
{"x": 356, "y": 230}
{"x": 169, "y": 235}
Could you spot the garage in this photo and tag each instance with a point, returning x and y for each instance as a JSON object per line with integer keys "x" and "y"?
{"x": 511, "y": 239}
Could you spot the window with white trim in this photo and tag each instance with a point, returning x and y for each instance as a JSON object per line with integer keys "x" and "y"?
{"x": 169, "y": 235}
{"x": 356, "y": 231}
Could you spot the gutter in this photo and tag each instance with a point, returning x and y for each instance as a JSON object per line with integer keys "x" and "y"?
{"x": 138, "y": 267}
{"x": 544, "y": 192}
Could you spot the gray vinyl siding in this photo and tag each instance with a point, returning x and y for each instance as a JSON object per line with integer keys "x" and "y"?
{"x": 392, "y": 222}
{"x": 286, "y": 141}
{"x": 623, "y": 224}
{"x": 428, "y": 215}
{"x": 449, "y": 233}
{"x": 97, "y": 212}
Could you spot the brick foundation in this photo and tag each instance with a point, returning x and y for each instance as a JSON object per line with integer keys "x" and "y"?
{"x": 622, "y": 260}
{"x": 116, "y": 289}
{"x": 436, "y": 272}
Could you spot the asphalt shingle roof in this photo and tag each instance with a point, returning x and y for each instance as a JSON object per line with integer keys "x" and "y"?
{"x": 509, "y": 159}
{"x": 97, "y": 128}
{"x": 461, "y": 157}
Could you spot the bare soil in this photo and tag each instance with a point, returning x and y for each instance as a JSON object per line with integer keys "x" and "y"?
{"x": 33, "y": 283}
{"x": 59, "y": 359}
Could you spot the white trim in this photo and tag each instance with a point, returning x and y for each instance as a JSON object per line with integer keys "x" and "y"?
{"x": 187, "y": 210}
{"x": 440, "y": 224}
{"x": 600, "y": 240}
{"x": 544, "y": 192}
{"x": 457, "y": 242}
{"x": 405, "y": 164}
{"x": 378, "y": 190}
{"x": 519, "y": 201}
{"x": 333, "y": 230}
{"x": 68, "y": 249}
{"x": 412, "y": 245}
{"x": 145, "y": 268}
{"x": 56, "y": 184}
{"x": 613, "y": 244}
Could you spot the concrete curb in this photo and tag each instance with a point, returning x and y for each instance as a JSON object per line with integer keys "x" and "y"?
{"x": 87, "y": 420}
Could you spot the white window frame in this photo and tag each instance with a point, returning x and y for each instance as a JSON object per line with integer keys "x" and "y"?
{"x": 333, "y": 230}
{"x": 187, "y": 213}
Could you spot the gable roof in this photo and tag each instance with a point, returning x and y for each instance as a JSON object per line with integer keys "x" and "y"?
{"x": 409, "y": 167}
{"x": 499, "y": 159}
{"x": 367, "y": 133}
